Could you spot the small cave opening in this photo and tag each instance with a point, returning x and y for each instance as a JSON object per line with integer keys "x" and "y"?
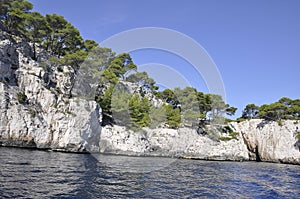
{"x": 258, "y": 159}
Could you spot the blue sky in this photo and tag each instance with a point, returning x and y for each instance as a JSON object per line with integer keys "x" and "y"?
{"x": 255, "y": 44}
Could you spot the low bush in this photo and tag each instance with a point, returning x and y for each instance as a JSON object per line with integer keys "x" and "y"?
{"x": 232, "y": 134}
{"x": 32, "y": 112}
{"x": 22, "y": 98}
{"x": 298, "y": 135}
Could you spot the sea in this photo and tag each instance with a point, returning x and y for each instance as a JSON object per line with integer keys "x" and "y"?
{"x": 28, "y": 173}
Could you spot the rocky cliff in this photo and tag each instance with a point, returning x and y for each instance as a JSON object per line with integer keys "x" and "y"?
{"x": 182, "y": 142}
{"x": 36, "y": 108}
{"x": 256, "y": 140}
{"x": 271, "y": 141}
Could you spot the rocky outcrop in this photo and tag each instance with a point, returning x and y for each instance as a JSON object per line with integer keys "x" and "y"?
{"x": 183, "y": 142}
{"x": 271, "y": 141}
{"x": 256, "y": 140}
{"x": 41, "y": 108}
{"x": 36, "y": 108}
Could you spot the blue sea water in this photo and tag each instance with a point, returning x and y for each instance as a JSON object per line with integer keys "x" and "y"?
{"x": 41, "y": 174}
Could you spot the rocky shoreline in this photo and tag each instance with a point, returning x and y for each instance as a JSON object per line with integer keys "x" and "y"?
{"x": 270, "y": 143}
{"x": 36, "y": 111}
{"x": 255, "y": 145}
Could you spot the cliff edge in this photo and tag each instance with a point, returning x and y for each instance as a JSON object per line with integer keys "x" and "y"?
{"x": 36, "y": 108}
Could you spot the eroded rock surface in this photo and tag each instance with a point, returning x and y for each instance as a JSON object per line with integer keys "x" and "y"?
{"x": 36, "y": 108}
{"x": 271, "y": 141}
{"x": 256, "y": 140}
{"x": 40, "y": 108}
{"x": 183, "y": 142}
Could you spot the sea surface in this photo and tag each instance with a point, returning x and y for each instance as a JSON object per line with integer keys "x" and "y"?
{"x": 41, "y": 174}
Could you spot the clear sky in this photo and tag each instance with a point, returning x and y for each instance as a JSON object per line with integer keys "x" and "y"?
{"x": 254, "y": 43}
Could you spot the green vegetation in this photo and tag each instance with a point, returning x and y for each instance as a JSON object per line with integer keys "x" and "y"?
{"x": 298, "y": 135}
{"x": 104, "y": 100}
{"x": 22, "y": 98}
{"x": 13, "y": 14}
{"x": 121, "y": 65}
{"x": 142, "y": 79}
{"x": 32, "y": 112}
{"x": 284, "y": 108}
{"x": 219, "y": 108}
{"x": 53, "y": 33}
{"x": 173, "y": 116}
{"x": 297, "y": 144}
{"x": 189, "y": 105}
{"x": 195, "y": 106}
{"x": 120, "y": 105}
{"x": 99, "y": 65}
{"x": 180, "y": 105}
{"x": 139, "y": 110}
{"x": 231, "y": 134}
{"x": 250, "y": 111}
{"x": 157, "y": 116}
{"x": 58, "y": 37}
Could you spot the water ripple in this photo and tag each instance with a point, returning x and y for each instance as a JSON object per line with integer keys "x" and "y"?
{"x": 39, "y": 174}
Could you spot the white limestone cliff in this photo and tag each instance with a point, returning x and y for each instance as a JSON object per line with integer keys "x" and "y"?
{"x": 48, "y": 119}
{"x": 182, "y": 142}
{"x": 256, "y": 140}
{"x": 271, "y": 141}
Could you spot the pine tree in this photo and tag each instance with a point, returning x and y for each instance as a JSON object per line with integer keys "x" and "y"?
{"x": 12, "y": 15}
{"x": 37, "y": 29}
{"x": 139, "y": 110}
{"x": 121, "y": 65}
{"x": 173, "y": 116}
{"x": 250, "y": 111}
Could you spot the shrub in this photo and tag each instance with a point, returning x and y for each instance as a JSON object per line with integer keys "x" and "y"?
{"x": 32, "y": 112}
{"x": 225, "y": 138}
{"x": 232, "y": 134}
{"x": 70, "y": 113}
{"x": 227, "y": 120}
{"x": 43, "y": 64}
{"x": 157, "y": 116}
{"x": 298, "y": 135}
{"x": 227, "y": 129}
{"x": 173, "y": 116}
{"x": 55, "y": 105}
{"x": 279, "y": 122}
{"x": 240, "y": 119}
{"x": 54, "y": 61}
{"x": 139, "y": 110}
{"x": 22, "y": 98}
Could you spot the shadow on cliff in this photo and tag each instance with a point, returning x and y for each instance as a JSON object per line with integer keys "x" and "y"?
{"x": 297, "y": 135}
{"x": 263, "y": 123}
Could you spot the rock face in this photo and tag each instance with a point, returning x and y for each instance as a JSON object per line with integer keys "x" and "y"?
{"x": 256, "y": 140}
{"x": 36, "y": 108}
{"x": 270, "y": 141}
{"x": 184, "y": 142}
{"x": 40, "y": 108}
